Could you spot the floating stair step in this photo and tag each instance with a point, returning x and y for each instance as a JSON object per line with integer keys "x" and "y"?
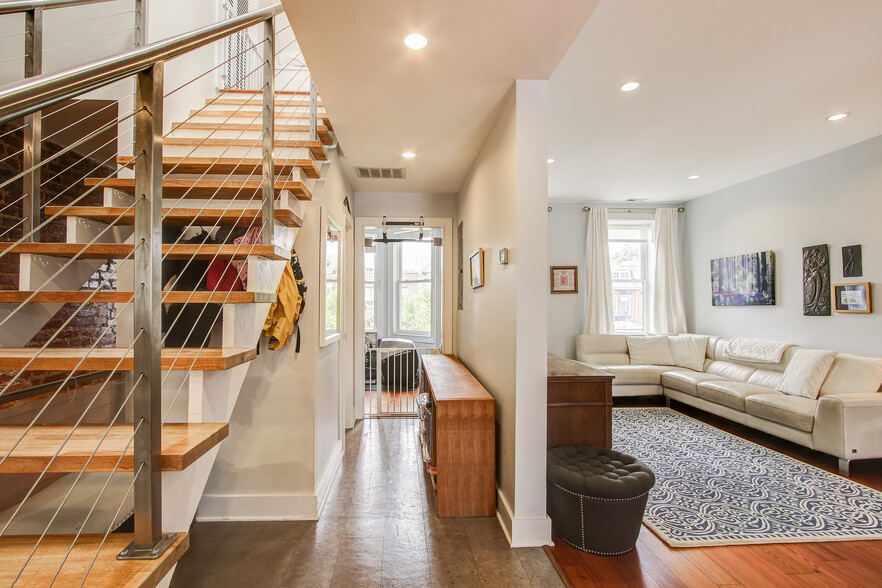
{"x": 259, "y": 92}
{"x": 234, "y": 217}
{"x": 289, "y": 101}
{"x": 316, "y": 148}
{"x": 124, "y": 250}
{"x": 107, "y": 571}
{"x": 202, "y": 188}
{"x": 107, "y": 358}
{"x": 122, "y": 297}
{"x": 323, "y": 133}
{"x": 230, "y": 165}
{"x": 182, "y": 444}
{"x": 254, "y": 115}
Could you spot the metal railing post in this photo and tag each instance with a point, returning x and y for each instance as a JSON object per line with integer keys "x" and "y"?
{"x": 33, "y": 153}
{"x": 140, "y": 23}
{"x": 269, "y": 116}
{"x": 149, "y": 542}
{"x": 313, "y": 110}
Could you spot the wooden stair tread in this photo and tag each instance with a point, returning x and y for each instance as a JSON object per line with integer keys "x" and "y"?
{"x": 316, "y": 148}
{"x": 107, "y": 358}
{"x": 322, "y": 131}
{"x": 237, "y": 217}
{"x": 230, "y": 165}
{"x": 182, "y": 444}
{"x": 254, "y": 115}
{"x": 123, "y": 250}
{"x": 202, "y": 188}
{"x": 258, "y": 92}
{"x": 122, "y": 297}
{"x": 107, "y": 571}
{"x": 291, "y": 101}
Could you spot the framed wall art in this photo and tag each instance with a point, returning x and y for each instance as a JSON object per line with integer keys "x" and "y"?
{"x": 564, "y": 279}
{"x": 476, "y": 269}
{"x": 852, "y": 262}
{"x": 743, "y": 280}
{"x": 815, "y": 281}
{"x": 852, "y": 298}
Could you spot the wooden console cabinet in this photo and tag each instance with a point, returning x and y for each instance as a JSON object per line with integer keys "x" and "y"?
{"x": 464, "y": 439}
{"x": 579, "y": 404}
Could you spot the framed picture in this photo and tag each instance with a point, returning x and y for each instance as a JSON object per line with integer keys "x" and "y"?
{"x": 743, "y": 280}
{"x": 852, "y": 297}
{"x": 565, "y": 279}
{"x": 476, "y": 269}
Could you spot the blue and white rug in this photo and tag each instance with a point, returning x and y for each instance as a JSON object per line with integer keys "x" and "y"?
{"x": 713, "y": 488}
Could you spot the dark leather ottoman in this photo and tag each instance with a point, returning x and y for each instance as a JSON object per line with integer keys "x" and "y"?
{"x": 596, "y": 497}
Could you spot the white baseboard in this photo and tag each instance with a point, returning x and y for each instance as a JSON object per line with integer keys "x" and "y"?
{"x": 324, "y": 485}
{"x": 521, "y": 532}
{"x": 264, "y": 507}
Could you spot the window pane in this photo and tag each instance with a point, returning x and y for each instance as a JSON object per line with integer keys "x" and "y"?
{"x": 370, "y": 321}
{"x": 415, "y": 306}
{"x": 416, "y": 261}
{"x": 628, "y": 306}
{"x": 330, "y": 307}
{"x": 332, "y": 261}
{"x": 625, "y": 261}
{"x": 370, "y": 260}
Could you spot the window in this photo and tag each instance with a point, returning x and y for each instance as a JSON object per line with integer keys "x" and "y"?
{"x": 413, "y": 287}
{"x": 628, "y": 259}
{"x": 370, "y": 271}
{"x": 331, "y": 306}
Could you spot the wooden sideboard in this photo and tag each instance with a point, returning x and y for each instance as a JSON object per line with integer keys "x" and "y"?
{"x": 579, "y": 404}
{"x": 464, "y": 439}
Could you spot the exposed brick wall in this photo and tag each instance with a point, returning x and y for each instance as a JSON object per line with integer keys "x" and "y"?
{"x": 63, "y": 183}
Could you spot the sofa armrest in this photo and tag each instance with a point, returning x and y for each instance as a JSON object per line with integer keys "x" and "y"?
{"x": 849, "y": 425}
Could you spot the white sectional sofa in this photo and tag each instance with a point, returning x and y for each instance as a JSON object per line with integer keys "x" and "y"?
{"x": 827, "y": 401}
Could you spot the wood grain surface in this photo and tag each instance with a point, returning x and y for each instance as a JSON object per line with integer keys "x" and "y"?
{"x": 237, "y": 217}
{"x": 230, "y": 165}
{"x": 124, "y": 250}
{"x": 122, "y": 297}
{"x": 202, "y": 188}
{"x": 108, "y": 358}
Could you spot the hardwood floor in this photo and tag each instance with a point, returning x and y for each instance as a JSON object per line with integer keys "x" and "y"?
{"x": 839, "y": 564}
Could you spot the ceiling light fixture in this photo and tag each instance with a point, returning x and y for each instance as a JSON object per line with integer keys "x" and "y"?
{"x": 416, "y": 41}
{"x": 693, "y": 177}
{"x": 551, "y": 160}
{"x": 408, "y": 155}
{"x": 629, "y": 86}
{"x": 837, "y": 116}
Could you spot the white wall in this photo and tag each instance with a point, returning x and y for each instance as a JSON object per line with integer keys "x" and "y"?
{"x": 832, "y": 199}
{"x": 285, "y": 432}
{"x": 398, "y": 204}
{"x": 567, "y": 224}
{"x": 502, "y": 328}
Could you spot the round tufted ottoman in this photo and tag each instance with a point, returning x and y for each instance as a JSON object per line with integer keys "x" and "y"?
{"x": 596, "y": 497}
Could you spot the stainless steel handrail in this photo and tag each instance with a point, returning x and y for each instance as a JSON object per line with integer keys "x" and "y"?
{"x": 26, "y": 5}
{"x": 43, "y": 91}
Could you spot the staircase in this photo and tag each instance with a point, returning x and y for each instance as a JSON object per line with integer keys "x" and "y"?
{"x": 212, "y": 177}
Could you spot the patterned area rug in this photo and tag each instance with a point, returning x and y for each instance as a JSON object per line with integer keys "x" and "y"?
{"x": 713, "y": 488}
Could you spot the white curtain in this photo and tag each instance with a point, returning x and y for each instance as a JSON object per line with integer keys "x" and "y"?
{"x": 598, "y": 306}
{"x": 668, "y": 311}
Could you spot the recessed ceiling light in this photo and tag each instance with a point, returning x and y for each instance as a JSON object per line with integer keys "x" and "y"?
{"x": 551, "y": 160}
{"x": 408, "y": 155}
{"x": 838, "y": 116}
{"x": 693, "y": 177}
{"x": 416, "y": 41}
{"x": 629, "y": 86}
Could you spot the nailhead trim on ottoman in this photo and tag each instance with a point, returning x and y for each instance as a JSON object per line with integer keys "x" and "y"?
{"x": 596, "y": 497}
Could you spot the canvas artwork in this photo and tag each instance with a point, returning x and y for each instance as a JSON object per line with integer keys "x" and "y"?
{"x": 852, "y": 262}
{"x": 815, "y": 281}
{"x": 744, "y": 280}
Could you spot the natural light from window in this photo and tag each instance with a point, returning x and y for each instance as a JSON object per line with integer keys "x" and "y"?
{"x": 628, "y": 260}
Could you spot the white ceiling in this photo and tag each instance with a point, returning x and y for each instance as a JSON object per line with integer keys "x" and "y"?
{"x": 384, "y": 99}
{"x": 732, "y": 89}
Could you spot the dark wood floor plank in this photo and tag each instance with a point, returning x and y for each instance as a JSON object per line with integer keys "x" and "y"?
{"x": 748, "y": 568}
{"x": 656, "y": 568}
{"x": 678, "y": 562}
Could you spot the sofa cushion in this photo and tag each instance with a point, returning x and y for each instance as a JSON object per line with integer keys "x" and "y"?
{"x": 635, "y": 374}
{"x": 792, "y": 411}
{"x": 730, "y": 370}
{"x": 596, "y": 359}
{"x": 686, "y": 381}
{"x": 650, "y": 350}
{"x": 728, "y": 393}
{"x": 767, "y": 378}
{"x": 590, "y": 345}
{"x": 689, "y": 350}
{"x": 853, "y": 374}
{"x": 806, "y": 372}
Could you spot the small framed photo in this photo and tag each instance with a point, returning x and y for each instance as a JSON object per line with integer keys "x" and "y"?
{"x": 852, "y": 297}
{"x": 476, "y": 269}
{"x": 565, "y": 279}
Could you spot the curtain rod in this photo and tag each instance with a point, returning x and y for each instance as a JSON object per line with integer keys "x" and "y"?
{"x": 588, "y": 209}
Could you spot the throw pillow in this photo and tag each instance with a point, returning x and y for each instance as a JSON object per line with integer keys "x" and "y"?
{"x": 689, "y": 350}
{"x": 650, "y": 350}
{"x": 853, "y": 374}
{"x": 806, "y": 371}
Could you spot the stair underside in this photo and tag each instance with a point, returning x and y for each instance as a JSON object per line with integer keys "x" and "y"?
{"x": 122, "y": 359}
{"x": 323, "y": 133}
{"x": 231, "y": 165}
{"x": 201, "y": 188}
{"x": 255, "y": 115}
{"x": 182, "y": 445}
{"x": 124, "y": 250}
{"x": 235, "y": 217}
{"x": 107, "y": 571}
{"x": 121, "y": 297}
{"x": 316, "y": 149}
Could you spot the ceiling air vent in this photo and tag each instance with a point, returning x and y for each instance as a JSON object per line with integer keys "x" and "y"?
{"x": 380, "y": 173}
